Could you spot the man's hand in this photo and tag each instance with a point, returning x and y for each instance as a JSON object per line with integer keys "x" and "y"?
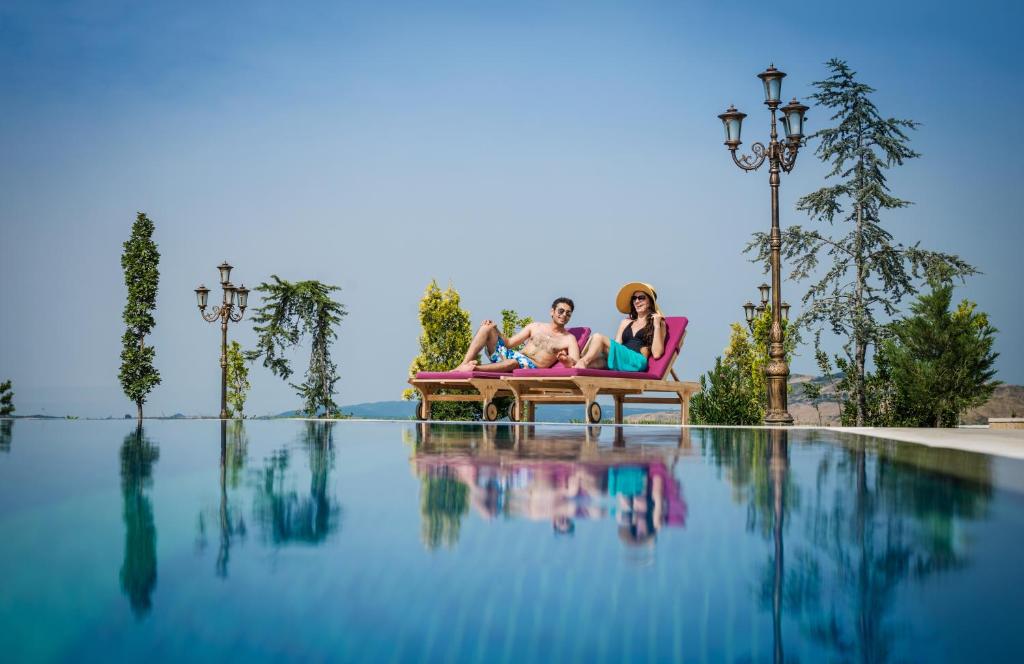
{"x": 563, "y": 358}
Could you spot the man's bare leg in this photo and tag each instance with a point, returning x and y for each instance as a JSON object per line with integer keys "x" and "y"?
{"x": 486, "y": 337}
{"x": 506, "y": 366}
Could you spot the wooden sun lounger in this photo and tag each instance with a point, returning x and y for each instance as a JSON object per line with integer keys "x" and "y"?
{"x": 569, "y": 386}
{"x": 480, "y": 386}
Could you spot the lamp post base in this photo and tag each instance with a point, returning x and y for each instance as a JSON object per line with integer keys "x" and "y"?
{"x": 778, "y": 418}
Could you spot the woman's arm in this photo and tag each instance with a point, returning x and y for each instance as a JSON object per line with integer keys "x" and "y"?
{"x": 622, "y": 328}
{"x": 658, "y": 344}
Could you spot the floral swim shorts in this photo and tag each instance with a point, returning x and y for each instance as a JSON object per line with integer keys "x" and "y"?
{"x": 502, "y": 352}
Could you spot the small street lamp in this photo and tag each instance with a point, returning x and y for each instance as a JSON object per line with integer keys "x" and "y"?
{"x": 233, "y": 296}
{"x": 781, "y": 156}
{"x": 750, "y": 312}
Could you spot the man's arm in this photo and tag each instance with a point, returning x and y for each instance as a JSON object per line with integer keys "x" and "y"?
{"x": 520, "y": 336}
{"x": 569, "y": 355}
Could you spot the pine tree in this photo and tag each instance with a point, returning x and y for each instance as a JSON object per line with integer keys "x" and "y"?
{"x": 238, "y": 380}
{"x": 940, "y": 362}
{"x": 289, "y": 311}
{"x": 140, "y": 262}
{"x": 6, "y": 399}
{"x": 869, "y": 272}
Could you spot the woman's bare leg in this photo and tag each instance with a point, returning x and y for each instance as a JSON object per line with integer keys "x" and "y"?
{"x": 595, "y": 353}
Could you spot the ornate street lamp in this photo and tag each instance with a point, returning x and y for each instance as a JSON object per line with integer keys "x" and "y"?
{"x": 781, "y": 156}
{"x": 750, "y": 311}
{"x": 224, "y": 313}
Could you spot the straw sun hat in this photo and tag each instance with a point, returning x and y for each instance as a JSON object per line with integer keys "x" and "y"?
{"x": 624, "y": 299}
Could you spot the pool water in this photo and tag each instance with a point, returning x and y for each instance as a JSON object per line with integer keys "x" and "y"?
{"x": 394, "y": 542}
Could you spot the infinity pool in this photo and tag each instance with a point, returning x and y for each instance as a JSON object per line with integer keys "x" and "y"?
{"x": 394, "y": 542}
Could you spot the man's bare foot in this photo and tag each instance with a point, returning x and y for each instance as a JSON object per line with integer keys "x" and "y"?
{"x": 580, "y": 364}
{"x": 467, "y": 366}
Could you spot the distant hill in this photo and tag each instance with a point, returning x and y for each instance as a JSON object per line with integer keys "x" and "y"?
{"x": 1006, "y": 401}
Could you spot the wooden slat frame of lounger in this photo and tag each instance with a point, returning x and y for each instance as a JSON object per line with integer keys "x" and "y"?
{"x": 486, "y": 390}
{"x": 586, "y": 389}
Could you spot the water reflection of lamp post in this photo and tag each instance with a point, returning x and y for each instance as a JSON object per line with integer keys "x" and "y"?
{"x": 777, "y": 467}
{"x": 781, "y": 157}
{"x": 225, "y": 312}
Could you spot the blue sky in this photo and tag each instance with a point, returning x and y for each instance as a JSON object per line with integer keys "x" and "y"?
{"x": 520, "y": 151}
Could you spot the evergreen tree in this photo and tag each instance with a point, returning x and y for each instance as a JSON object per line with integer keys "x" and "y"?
{"x": 940, "y": 361}
{"x": 443, "y": 343}
{"x": 289, "y": 311}
{"x": 238, "y": 380}
{"x": 869, "y": 272}
{"x": 6, "y": 399}
{"x": 140, "y": 262}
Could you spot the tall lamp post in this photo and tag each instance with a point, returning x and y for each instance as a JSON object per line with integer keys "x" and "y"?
{"x": 781, "y": 156}
{"x": 225, "y": 312}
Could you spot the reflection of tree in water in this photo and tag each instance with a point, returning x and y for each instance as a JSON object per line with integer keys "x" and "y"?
{"x": 875, "y": 522}
{"x": 444, "y": 500}
{"x": 138, "y": 571}
{"x": 283, "y": 514}
{"x": 5, "y": 435}
{"x": 231, "y": 523}
{"x": 876, "y": 516}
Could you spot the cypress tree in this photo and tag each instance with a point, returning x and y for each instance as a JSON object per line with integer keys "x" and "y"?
{"x": 140, "y": 262}
{"x": 446, "y": 336}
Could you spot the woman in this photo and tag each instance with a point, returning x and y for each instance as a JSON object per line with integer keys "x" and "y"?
{"x": 639, "y": 337}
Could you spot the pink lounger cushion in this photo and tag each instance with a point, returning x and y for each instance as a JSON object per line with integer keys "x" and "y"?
{"x": 582, "y": 334}
{"x": 656, "y": 369}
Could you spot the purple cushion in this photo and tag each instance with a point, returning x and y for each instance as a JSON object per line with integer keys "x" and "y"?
{"x": 459, "y": 375}
{"x": 582, "y": 334}
{"x": 656, "y": 369}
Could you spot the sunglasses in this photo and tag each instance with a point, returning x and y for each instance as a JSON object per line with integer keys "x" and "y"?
{"x": 639, "y": 298}
{"x": 563, "y": 312}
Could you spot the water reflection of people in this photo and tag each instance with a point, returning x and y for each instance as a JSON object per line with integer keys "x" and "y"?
{"x": 559, "y": 478}
{"x": 138, "y": 570}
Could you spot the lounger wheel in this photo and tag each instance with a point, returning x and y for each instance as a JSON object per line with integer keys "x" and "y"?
{"x": 515, "y": 412}
{"x": 594, "y": 413}
{"x": 421, "y": 410}
{"x": 490, "y": 412}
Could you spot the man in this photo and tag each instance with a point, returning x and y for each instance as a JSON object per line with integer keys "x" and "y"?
{"x": 546, "y": 343}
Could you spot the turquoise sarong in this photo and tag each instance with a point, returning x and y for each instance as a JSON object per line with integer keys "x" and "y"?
{"x": 621, "y": 358}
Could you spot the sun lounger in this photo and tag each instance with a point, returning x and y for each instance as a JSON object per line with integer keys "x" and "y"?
{"x": 481, "y": 386}
{"x": 564, "y": 385}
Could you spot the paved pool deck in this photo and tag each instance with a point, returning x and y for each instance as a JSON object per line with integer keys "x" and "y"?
{"x": 999, "y": 442}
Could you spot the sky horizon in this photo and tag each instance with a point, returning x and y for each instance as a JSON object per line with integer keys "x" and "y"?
{"x": 519, "y": 153}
